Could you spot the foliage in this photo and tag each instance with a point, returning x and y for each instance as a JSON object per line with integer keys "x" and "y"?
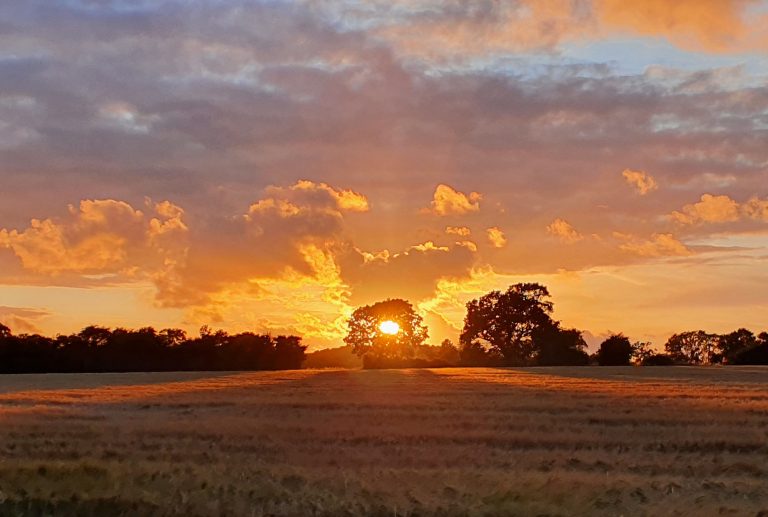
{"x": 369, "y": 342}
{"x": 100, "y": 349}
{"x": 694, "y": 347}
{"x": 615, "y": 351}
{"x": 657, "y": 360}
{"x": 641, "y": 350}
{"x": 733, "y": 344}
{"x": 339, "y": 357}
{"x": 507, "y": 321}
{"x": 559, "y": 347}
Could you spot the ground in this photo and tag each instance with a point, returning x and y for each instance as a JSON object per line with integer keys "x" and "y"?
{"x": 538, "y": 441}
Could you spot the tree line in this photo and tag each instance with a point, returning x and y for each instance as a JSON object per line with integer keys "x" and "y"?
{"x": 501, "y": 328}
{"x": 515, "y": 328}
{"x": 100, "y": 349}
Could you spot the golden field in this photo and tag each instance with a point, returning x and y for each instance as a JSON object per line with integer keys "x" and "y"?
{"x": 454, "y": 441}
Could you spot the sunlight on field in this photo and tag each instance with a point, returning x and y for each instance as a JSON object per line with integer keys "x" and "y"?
{"x": 446, "y": 441}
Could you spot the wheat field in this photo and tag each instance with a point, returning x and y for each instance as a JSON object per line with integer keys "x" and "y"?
{"x": 537, "y": 441}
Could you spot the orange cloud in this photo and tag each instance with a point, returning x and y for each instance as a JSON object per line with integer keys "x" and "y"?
{"x": 446, "y": 201}
{"x": 97, "y": 237}
{"x": 713, "y": 24}
{"x": 641, "y": 181}
{"x": 564, "y": 231}
{"x": 756, "y": 208}
{"x": 437, "y": 30}
{"x": 659, "y": 245}
{"x": 412, "y": 273}
{"x": 711, "y": 209}
{"x": 22, "y": 319}
{"x": 461, "y": 231}
{"x": 496, "y": 237}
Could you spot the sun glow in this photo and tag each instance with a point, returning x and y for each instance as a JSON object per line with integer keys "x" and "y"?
{"x": 389, "y": 327}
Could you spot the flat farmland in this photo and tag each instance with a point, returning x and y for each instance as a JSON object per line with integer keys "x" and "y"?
{"x": 536, "y": 441}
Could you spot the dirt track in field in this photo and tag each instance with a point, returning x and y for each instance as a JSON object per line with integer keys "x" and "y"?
{"x": 539, "y": 441}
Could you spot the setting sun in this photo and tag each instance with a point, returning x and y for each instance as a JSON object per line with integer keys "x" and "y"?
{"x": 389, "y": 327}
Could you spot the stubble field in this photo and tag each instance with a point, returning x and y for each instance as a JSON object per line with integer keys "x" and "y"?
{"x": 538, "y": 441}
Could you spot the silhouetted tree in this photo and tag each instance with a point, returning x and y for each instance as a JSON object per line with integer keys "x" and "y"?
{"x": 641, "y": 350}
{"x": 730, "y": 345}
{"x": 289, "y": 353}
{"x": 507, "y": 321}
{"x": 172, "y": 337}
{"x": 615, "y": 351}
{"x": 378, "y": 348}
{"x": 449, "y": 352}
{"x": 99, "y": 349}
{"x": 339, "y": 357}
{"x": 694, "y": 347}
{"x": 559, "y": 347}
{"x": 657, "y": 360}
{"x": 475, "y": 354}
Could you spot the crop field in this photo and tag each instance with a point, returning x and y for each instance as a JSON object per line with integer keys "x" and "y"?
{"x": 537, "y": 441}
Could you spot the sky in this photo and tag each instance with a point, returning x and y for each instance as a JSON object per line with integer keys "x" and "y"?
{"x": 271, "y": 165}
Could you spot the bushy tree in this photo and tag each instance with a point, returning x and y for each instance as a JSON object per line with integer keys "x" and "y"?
{"x": 475, "y": 353}
{"x": 507, "y": 320}
{"x": 559, "y": 347}
{"x": 657, "y": 360}
{"x": 730, "y": 345}
{"x": 615, "y": 351}
{"x": 367, "y": 340}
{"x": 99, "y": 349}
{"x": 693, "y": 347}
{"x": 641, "y": 350}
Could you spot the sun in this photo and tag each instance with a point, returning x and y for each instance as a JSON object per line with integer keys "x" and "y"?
{"x": 389, "y": 327}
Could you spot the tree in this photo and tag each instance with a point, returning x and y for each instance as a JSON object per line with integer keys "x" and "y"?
{"x": 4, "y": 331}
{"x": 172, "y": 337}
{"x": 559, "y": 347}
{"x": 289, "y": 353}
{"x": 657, "y": 360}
{"x": 367, "y": 339}
{"x": 615, "y": 351}
{"x": 693, "y": 347}
{"x": 508, "y": 320}
{"x": 448, "y": 352}
{"x": 730, "y": 345}
{"x": 641, "y": 350}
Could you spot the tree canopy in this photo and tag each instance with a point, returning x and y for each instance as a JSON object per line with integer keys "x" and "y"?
{"x": 100, "y": 349}
{"x": 617, "y": 350}
{"x": 368, "y": 340}
{"x": 507, "y": 321}
{"x": 693, "y": 347}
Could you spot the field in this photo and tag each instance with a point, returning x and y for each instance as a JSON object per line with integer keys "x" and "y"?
{"x": 538, "y": 441}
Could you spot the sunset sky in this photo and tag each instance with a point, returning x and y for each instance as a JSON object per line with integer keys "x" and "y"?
{"x": 270, "y": 166}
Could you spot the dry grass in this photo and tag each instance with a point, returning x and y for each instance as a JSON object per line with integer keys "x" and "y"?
{"x": 541, "y": 441}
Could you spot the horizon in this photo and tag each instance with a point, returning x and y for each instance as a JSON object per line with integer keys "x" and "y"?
{"x": 272, "y": 166}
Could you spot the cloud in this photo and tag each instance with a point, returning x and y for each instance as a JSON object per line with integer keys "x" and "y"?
{"x": 412, "y": 273}
{"x": 445, "y": 30}
{"x": 563, "y": 230}
{"x": 643, "y": 182}
{"x": 710, "y": 209}
{"x": 447, "y": 201}
{"x": 99, "y": 237}
{"x": 280, "y": 236}
{"x": 22, "y": 319}
{"x": 496, "y": 237}
{"x": 756, "y": 208}
{"x": 721, "y": 25}
{"x": 659, "y": 245}
{"x": 461, "y": 231}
